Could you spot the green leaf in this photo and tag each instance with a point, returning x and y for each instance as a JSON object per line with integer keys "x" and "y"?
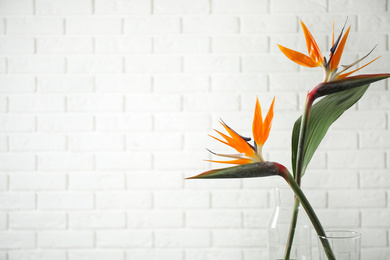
{"x": 323, "y": 114}
{"x": 250, "y": 170}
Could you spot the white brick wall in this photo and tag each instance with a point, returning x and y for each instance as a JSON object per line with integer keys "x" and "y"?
{"x": 105, "y": 107}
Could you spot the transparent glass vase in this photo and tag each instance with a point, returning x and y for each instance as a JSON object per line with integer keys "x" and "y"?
{"x": 279, "y": 228}
{"x": 345, "y": 244}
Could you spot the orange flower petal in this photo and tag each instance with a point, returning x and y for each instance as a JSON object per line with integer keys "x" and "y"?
{"x": 342, "y": 76}
{"x": 267, "y": 123}
{"x": 298, "y": 57}
{"x": 238, "y": 161}
{"x": 240, "y": 144}
{"x": 312, "y": 47}
{"x": 257, "y": 125}
{"x": 334, "y": 63}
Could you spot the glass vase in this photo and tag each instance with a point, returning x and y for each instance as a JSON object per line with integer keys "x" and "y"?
{"x": 279, "y": 228}
{"x": 345, "y": 244}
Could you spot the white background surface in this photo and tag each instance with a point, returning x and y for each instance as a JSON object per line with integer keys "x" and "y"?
{"x": 105, "y": 107}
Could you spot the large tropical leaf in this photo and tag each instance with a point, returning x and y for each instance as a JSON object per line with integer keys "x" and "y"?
{"x": 323, "y": 114}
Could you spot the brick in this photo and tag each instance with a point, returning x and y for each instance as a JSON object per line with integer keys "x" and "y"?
{"x": 239, "y": 238}
{"x": 122, "y": 7}
{"x": 96, "y": 181}
{"x": 290, "y": 81}
{"x": 181, "y": 160}
{"x": 17, "y": 84}
{"x": 357, "y": 198}
{"x": 241, "y": 83}
{"x": 3, "y": 143}
{"x": 210, "y": 24}
{"x": 256, "y": 218}
{"x": 149, "y": 103}
{"x": 99, "y": 220}
{"x": 239, "y": 199}
{"x": 3, "y": 220}
{"x": 35, "y": 26}
{"x": 43, "y": 255}
{"x": 37, "y": 142}
{"x": 17, "y": 200}
{"x": 181, "y": 199}
{"x": 155, "y": 219}
{"x": 239, "y": 44}
{"x": 151, "y": 25}
{"x": 153, "y": 64}
{"x": 373, "y": 237}
{"x": 65, "y": 123}
{"x": 123, "y": 84}
{"x": 65, "y": 200}
{"x": 3, "y": 104}
{"x": 124, "y": 239}
{"x": 267, "y": 23}
{"x": 378, "y": 218}
{"x": 210, "y": 254}
{"x": 96, "y": 142}
{"x": 373, "y": 22}
{"x": 182, "y": 121}
{"x": 95, "y": 254}
{"x": 339, "y": 140}
{"x": 12, "y": 162}
{"x": 36, "y": 103}
{"x": 2, "y": 26}
{"x": 159, "y": 141}
{"x": 17, "y": 239}
{"x": 374, "y": 100}
{"x": 211, "y": 102}
{"x": 376, "y": 6}
{"x": 288, "y": 7}
{"x": 93, "y": 25}
{"x": 339, "y": 218}
{"x": 181, "y": 44}
{"x": 375, "y": 253}
{"x": 37, "y": 181}
{"x": 123, "y": 200}
{"x": 37, "y": 220}
{"x": 16, "y": 45}
{"x": 95, "y": 103}
{"x": 71, "y": 7}
{"x": 346, "y": 179}
{"x": 3, "y": 66}
{"x": 123, "y": 45}
{"x": 95, "y": 65}
{"x": 374, "y": 179}
{"x": 182, "y": 238}
{"x": 240, "y": 7}
{"x": 64, "y": 161}
{"x": 64, "y": 45}
{"x": 213, "y": 219}
{"x": 356, "y": 160}
{"x": 155, "y": 180}
{"x": 215, "y": 63}
{"x": 47, "y": 65}
{"x": 155, "y": 254}
{"x": 267, "y": 63}
{"x": 179, "y": 83}
{"x": 3, "y": 182}
{"x": 65, "y": 239}
{"x": 135, "y": 122}
{"x": 21, "y": 7}
{"x": 375, "y": 139}
{"x": 123, "y": 161}
{"x": 65, "y": 84}
{"x": 180, "y": 7}
{"x": 323, "y": 24}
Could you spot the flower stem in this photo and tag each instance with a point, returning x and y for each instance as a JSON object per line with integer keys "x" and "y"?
{"x": 311, "y": 214}
{"x": 298, "y": 170}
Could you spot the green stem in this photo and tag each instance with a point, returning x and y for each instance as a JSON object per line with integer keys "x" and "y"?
{"x": 298, "y": 170}
{"x": 291, "y": 233}
{"x": 310, "y": 212}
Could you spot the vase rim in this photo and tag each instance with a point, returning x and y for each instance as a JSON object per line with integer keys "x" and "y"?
{"x": 341, "y": 234}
